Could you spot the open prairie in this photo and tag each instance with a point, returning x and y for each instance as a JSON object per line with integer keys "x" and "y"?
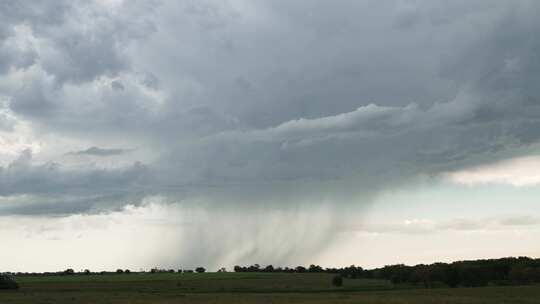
{"x": 246, "y": 288}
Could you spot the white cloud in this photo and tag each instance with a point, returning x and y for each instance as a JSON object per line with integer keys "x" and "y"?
{"x": 519, "y": 172}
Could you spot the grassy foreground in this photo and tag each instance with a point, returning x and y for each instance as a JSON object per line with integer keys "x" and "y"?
{"x": 245, "y": 288}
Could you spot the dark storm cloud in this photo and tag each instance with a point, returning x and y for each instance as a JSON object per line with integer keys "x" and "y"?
{"x": 24, "y": 177}
{"x": 355, "y": 94}
{"x": 78, "y": 40}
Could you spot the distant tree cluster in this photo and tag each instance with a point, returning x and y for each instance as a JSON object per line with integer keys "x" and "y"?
{"x": 198, "y": 269}
{"x": 297, "y": 269}
{"x": 517, "y": 271}
{"x": 70, "y": 271}
{"x": 158, "y": 270}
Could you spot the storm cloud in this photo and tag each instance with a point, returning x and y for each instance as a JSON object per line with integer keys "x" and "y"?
{"x": 267, "y": 104}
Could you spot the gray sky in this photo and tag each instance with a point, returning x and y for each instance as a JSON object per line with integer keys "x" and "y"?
{"x": 184, "y": 133}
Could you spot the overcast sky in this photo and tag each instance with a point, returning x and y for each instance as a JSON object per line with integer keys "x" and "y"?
{"x": 174, "y": 134}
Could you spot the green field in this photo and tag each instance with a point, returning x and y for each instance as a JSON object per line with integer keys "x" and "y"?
{"x": 245, "y": 288}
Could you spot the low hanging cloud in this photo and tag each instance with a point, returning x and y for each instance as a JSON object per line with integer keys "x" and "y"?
{"x": 27, "y": 187}
{"x": 96, "y": 151}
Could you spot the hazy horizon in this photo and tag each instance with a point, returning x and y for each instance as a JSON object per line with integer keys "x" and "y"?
{"x": 176, "y": 134}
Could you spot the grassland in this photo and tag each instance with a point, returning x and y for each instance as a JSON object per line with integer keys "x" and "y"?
{"x": 245, "y": 288}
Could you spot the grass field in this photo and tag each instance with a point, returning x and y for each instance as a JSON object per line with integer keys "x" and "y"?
{"x": 245, "y": 288}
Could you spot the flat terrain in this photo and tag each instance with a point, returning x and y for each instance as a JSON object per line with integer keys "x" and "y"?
{"x": 245, "y": 288}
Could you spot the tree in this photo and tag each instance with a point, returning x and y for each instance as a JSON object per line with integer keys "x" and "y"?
{"x": 69, "y": 271}
{"x": 315, "y": 268}
{"x": 119, "y": 271}
{"x": 337, "y": 281}
{"x": 451, "y": 277}
{"x": 87, "y": 271}
{"x": 521, "y": 274}
{"x": 269, "y": 268}
{"x": 200, "y": 269}
{"x": 254, "y": 268}
{"x": 422, "y": 274}
{"x": 300, "y": 269}
{"x": 473, "y": 277}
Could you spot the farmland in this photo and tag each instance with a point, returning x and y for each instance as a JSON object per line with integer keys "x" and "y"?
{"x": 246, "y": 288}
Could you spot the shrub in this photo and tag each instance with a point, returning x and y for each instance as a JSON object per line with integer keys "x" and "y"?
{"x": 337, "y": 281}
{"x": 7, "y": 282}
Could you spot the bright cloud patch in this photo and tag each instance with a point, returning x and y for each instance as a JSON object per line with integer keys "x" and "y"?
{"x": 519, "y": 172}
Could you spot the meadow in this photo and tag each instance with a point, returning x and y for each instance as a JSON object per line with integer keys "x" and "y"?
{"x": 246, "y": 288}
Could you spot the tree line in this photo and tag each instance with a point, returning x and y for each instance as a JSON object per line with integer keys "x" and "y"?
{"x": 71, "y": 271}
{"x": 504, "y": 271}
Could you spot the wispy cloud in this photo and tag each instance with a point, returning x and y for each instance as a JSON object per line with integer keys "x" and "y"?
{"x": 96, "y": 151}
{"x": 428, "y": 226}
